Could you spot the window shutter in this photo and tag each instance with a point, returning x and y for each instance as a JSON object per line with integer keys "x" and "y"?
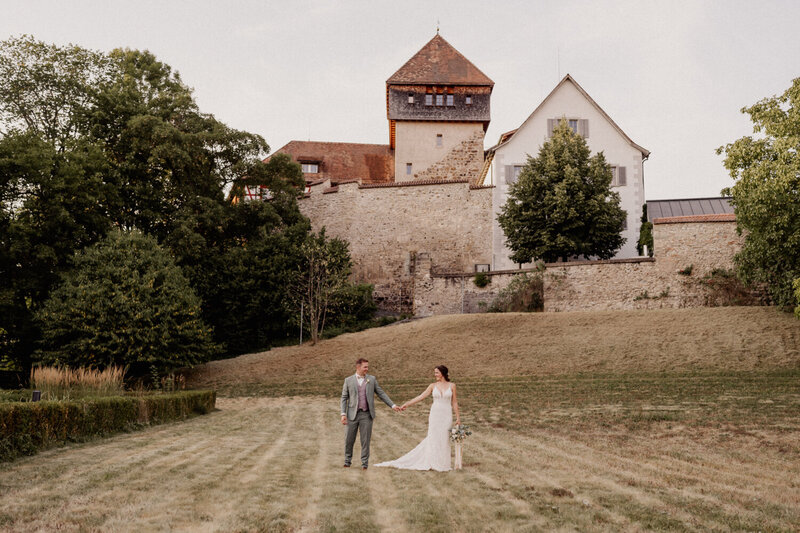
{"x": 583, "y": 127}
{"x": 621, "y": 176}
{"x": 551, "y": 122}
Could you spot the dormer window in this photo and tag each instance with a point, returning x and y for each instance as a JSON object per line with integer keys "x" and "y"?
{"x": 310, "y": 168}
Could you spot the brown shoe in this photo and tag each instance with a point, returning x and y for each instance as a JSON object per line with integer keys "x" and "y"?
{"x": 347, "y": 466}
{"x": 363, "y": 468}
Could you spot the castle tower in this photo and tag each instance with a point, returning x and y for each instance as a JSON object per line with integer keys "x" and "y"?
{"x": 438, "y": 110}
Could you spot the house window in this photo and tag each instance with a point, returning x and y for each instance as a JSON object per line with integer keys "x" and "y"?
{"x": 428, "y": 99}
{"x": 468, "y": 99}
{"x": 408, "y": 169}
{"x": 625, "y": 222}
{"x": 573, "y": 124}
{"x": 438, "y": 140}
{"x": 439, "y": 99}
{"x": 310, "y": 168}
{"x": 410, "y": 98}
{"x": 618, "y": 178}
{"x": 512, "y": 173}
{"x": 450, "y": 100}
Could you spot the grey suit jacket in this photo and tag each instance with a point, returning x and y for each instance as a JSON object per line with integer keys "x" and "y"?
{"x": 350, "y": 396}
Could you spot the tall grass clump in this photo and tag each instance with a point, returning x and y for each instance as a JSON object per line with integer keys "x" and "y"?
{"x": 63, "y": 383}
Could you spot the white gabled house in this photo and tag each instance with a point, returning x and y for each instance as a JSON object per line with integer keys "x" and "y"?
{"x": 568, "y": 100}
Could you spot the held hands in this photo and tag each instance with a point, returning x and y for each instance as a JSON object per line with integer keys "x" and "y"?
{"x": 397, "y": 408}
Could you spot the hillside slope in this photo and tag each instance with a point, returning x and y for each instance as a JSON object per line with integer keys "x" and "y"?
{"x": 539, "y": 344}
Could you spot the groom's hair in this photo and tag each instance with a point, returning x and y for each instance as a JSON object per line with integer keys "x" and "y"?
{"x": 361, "y": 360}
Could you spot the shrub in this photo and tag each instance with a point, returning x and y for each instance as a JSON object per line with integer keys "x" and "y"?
{"x": 481, "y": 280}
{"x": 125, "y": 303}
{"x": 686, "y": 271}
{"x": 27, "y": 427}
{"x": 724, "y": 288}
{"x": 524, "y": 294}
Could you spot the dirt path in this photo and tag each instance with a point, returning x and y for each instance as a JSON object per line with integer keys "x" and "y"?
{"x": 274, "y": 464}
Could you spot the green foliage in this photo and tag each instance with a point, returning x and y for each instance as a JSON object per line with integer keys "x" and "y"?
{"x": 686, "y": 271}
{"x": 350, "y": 305}
{"x": 766, "y": 195}
{"x": 524, "y": 294}
{"x": 645, "y": 234}
{"x": 724, "y": 288}
{"x": 562, "y": 205}
{"x": 321, "y": 275}
{"x": 797, "y": 297}
{"x": 125, "y": 303}
{"x": 91, "y": 141}
{"x": 27, "y": 427}
{"x": 481, "y": 280}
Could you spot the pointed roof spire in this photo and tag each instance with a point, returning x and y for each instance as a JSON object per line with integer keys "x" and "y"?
{"x": 438, "y": 63}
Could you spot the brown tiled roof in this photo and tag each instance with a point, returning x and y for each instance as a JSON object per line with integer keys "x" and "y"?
{"x": 722, "y": 217}
{"x": 343, "y": 162}
{"x": 438, "y": 63}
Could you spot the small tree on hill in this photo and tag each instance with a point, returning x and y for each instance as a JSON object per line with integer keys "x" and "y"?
{"x": 323, "y": 273}
{"x": 125, "y": 303}
{"x": 562, "y": 205}
{"x": 766, "y": 195}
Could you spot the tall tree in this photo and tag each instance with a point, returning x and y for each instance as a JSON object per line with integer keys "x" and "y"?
{"x": 562, "y": 205}
{"x": 766, "y": 195}
{"x": 92, "y": 141}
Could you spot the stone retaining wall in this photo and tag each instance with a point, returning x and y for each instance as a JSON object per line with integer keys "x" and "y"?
{"x": 387, "y": 225}
{"x": 640, "y": 283}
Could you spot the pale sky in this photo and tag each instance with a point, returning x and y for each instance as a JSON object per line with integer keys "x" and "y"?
{"x": 672, "y": 74}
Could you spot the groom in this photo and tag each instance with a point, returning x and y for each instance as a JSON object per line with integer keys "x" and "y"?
{"x": 358, "y": 410}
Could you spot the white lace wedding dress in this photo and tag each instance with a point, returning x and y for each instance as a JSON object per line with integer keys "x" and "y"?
{"x": 433, "y": 453}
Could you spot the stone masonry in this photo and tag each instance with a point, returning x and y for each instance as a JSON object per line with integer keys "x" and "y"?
{"x": 464, "y": 162}
{"x": 639, "y": 283}
{"x": 387, "y": 225}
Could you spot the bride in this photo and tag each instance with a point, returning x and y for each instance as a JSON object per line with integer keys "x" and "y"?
{"x": 433, "y": 453}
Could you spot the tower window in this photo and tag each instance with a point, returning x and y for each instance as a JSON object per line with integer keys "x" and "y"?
{"x": 428, "y": 99}
{"x": 310, "y": 168}
{"x": 411, "y": 98}
{"x": 450, "y": 100}
{"x": 438, "y": 140}
{"x": 408, "y": 169}
{"x": 468, "y": 99}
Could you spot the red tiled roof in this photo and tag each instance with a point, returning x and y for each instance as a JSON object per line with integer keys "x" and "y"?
{"x": 721, "y": 217}
{"x": 438, "y": 63}
{"x": 343, "y": 162}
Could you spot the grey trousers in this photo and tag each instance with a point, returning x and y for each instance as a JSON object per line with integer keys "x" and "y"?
{"x": 363, "y": 425}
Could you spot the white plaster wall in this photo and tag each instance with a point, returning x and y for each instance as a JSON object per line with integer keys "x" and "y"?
{"x": 415, "y": 143}
{"x": 603, "y": 136}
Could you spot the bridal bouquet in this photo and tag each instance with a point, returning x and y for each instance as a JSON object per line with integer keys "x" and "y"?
{"x": 459, "y": 433}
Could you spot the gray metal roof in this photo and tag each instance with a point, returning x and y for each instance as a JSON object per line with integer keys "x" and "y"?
{"x": 688, "y": 207}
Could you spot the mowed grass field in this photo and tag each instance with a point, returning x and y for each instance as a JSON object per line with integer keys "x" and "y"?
{"x": 679, "y": 420}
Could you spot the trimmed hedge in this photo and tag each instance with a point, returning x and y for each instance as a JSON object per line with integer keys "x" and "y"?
{"x": 27, "y": 427}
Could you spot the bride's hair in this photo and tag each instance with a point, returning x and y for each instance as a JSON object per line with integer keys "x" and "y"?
{"x": 443, "y": 370}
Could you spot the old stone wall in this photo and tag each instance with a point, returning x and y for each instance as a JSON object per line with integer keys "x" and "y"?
{"x": 686, "y": 255}
{"x": 462, "y": 162}
{"x": 387, "y": 226}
